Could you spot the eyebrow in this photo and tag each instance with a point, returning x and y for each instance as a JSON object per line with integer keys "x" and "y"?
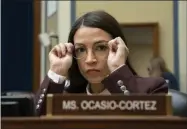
{"x": 97, "y": 42}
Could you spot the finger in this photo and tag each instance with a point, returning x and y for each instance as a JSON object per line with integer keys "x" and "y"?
{"x": 53, "y": 55}
{"x": 63, "y": 49}
{"x": 69, "y": 47}
{"x": 112, "y": 45}
{"x": 122, "y": 48}
{"x": 56, "y": 51}
{"x": 121, "y": 42}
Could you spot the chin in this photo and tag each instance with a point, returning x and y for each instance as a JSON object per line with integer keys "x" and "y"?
{"x": 94, "y": 80}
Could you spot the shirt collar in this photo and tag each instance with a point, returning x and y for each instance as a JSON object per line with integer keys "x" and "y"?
{"x": 104, "y": 92}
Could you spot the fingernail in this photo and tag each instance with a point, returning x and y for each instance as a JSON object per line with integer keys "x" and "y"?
{"x": 117, "y": 38}
{"x": 114, "y": 40}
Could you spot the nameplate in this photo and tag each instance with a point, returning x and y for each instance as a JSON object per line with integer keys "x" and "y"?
{"x": 58, "y": 104}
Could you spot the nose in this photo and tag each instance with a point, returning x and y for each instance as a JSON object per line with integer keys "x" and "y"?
{"x": 90, "y": 58}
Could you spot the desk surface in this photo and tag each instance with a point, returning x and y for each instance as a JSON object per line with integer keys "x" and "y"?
{"x": 95, "y": 122}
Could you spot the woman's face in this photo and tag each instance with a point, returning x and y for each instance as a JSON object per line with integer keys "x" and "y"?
{"x": 91, "y": 51}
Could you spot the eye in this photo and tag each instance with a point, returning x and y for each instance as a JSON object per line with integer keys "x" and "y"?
{"x": 80, "y": 49}
{"x": 101, "y": 47}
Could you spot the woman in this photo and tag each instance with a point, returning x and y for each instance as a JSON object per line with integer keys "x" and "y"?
{"x": 95, "y": 62}
{"x": 158, "y": 68}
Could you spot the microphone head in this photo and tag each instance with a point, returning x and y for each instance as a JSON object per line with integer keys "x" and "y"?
{"x": 44, "y": 39}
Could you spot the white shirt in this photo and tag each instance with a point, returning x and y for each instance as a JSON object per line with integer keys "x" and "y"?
{"x": 104, "y": 92}
{"x": 57, "y": 78}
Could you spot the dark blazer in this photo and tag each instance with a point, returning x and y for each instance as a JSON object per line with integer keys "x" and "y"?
{"x": 134, "y": 84}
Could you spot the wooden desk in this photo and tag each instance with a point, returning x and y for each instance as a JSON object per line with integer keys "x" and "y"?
{"x": 96, "y": 122}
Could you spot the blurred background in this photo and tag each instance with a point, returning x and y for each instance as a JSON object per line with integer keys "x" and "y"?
{"x": 152, "y": 28}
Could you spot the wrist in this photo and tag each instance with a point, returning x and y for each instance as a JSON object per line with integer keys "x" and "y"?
{"x": 114, "y": 68}
{"x": 59, "y": 71}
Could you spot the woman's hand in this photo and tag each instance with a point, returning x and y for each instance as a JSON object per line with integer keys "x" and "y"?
{"x": 60, "y": 58}
{"x": 118, "y": 53}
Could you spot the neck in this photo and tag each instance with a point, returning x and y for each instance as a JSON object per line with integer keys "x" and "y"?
{"x": 97, "y": 87}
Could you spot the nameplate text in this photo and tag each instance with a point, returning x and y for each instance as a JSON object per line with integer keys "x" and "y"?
{"x": 108, "y": 105}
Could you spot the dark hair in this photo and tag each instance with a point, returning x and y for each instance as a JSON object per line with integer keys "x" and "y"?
{"x": 96, "y": 19}
{"x": 159, "y": 62}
